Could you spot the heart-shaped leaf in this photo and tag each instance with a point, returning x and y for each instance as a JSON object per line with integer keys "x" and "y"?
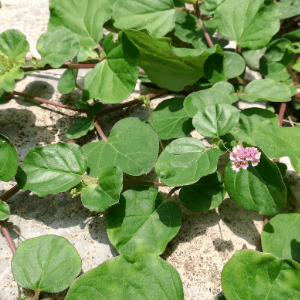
{"x": 99, "y": 197}
{"x": 170, "y": 119}
{"x": 278, "y": 141}
{"x": 114, "y": 79}
{"x": 157, "y": 16}
{"x": 163, "y": 66}
{"x": 139, "y": 277}
{"x": 249, "y": 28}
{"x": 67, "y": 82}
{"x": 281, "y": 236}
{"x": 207, "y": 193}
{"x": 216, "y": 120}
{"x": 142, "y": 222}
{"x": 56, "y": 47}
{"x": 254, "y": 275}
{"x": 13, "y": 49}
{"x": 84, "y": 18}
{"x": 52, "y": 169}
{"x": 8, "y": 159}
{"x": 266, "y": 89}
{"x": 80, "y": 128}
{"x": 197, "y": 101}
{"x": 47, "y": 263}
{"x": 218, "y": 68}
{"x": 4, "y": 211}
{"x": 258, "y": 188}
{"x": 132, "y": 145}
{"x": 184, "y": 161}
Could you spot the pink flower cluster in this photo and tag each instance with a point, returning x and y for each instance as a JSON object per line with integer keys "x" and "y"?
{"x": 241, "y": 156}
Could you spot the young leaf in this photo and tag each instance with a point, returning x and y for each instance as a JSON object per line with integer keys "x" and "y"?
{"x": 281, "y": 236}
{"x": 266, "y": 89}
{"x": 80, "y": 128}
{"x": 107, "y": 192}
{"x": 184, "y": 161}
{"x": 218, "y": 68}
{"x": 47, "y": 263}
{"x": 216, "y": 120}
{"x": 114, "y": 79}
{"x": 139, "y": 277}
{"x": 158, "y": 16}
{"x": 245, "y": 21}
{"x": 171, "y": 119}
{"x": 207, "y": 193}
{"x": 258, "y": 188}
{"x": 8, "y": 159}
{"x": 132, "y": 146}
{"x": 278, "y": 141}
{"x": 56, "y": 47}
{"x": 163, "y": 66}
{"x": 142, "y": 222}
{"x": 4, "y": 210}
{"x": 197, "y": 101}
{"x": 84, "y": 18}
{"x": 52, "y": 169}
{"x": 67, "y": 82}
{"x": 13, "y": 49}
{"x": 254, "y": 275}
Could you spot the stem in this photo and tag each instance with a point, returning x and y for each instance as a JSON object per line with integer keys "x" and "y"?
{"x": 6, "y": 195}
{"x": 100, "y": 131}
{"x": 281, "y": 113}
{"x": 208, "y": 39}
{"x": 173, "y": 190}
{"x": 16, "y": 231}
{"x": 44, "y": 101}
{"x": 36, "y": 295}
{"x": 78, "y": 86}
{"x": 109, "y": 110}
{"x": 9, "y": 240}
{"x": 184, "y": 9}
{"x": 143, "y": 183}
{"x": 66, "y": 65}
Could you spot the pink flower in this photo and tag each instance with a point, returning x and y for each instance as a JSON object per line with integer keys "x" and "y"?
{"x": 240, "y": 157}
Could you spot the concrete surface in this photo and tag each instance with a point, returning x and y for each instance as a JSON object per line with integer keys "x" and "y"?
{"x": 206, "y": 240}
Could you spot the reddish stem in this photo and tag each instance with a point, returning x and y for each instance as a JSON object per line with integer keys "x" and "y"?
{"x": 281, "y": 113}
{"x": 9, "y": 240}
{"x": 100, "y": 131}
{"x": 44, "y": 101}
{"x": 6, "y": 195}
{"x": 244, "y": 247}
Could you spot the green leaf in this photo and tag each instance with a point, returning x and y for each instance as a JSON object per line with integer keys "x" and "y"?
{"x": 259, "y": 188}
{"x": 84, "y": 18}
{"x": 293, "y": 35}
{"x": 211, "y": 5}
{"x": 157, "y": 16}
{"x": 217, "y": 68}
{"x": 252, "y": 57}
{"x": 56, "y": 47}
{"x": 13, "y": 49}
{"x": 94, "y": 109}
{"x": 4, "y": 211}
{"x": 184, "y": 161}
{"x": 80, "y": 128}
{"x": 2, "y": 95}
{"x": 197, "y": 101}
{"x": 163, "y": 66}
{"x": 8, "y": 159}
{"x": 228, "y": 88}
{"x": 273, "y": 70}
{"x": 278, "y": 141}
{"x": 142, "y": 222}
{"x": 255, "y": 25}
{"x": 47, "y": 263}
{"x": 86, "y": 53}
{"x": 114, "y": 79}
{"x": 139, "y": 277}
{"x": 249, "y": 118}
{"x": 254, "y": 275}
{"x": 266, "y": 89}
{"x": 281, "y": 236}
{"x": 288, "y": 8}
{"x": 107, "y": 192}
{"x": 67, "y": 82}
{"x": 132, "y": 146}
{"x": 171, "y": 119}
{"x": 52, "y": 169}
{"x": 207, "y": 193}
{"x": 278, "y": 51}
{"x": 216, "y": 120}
